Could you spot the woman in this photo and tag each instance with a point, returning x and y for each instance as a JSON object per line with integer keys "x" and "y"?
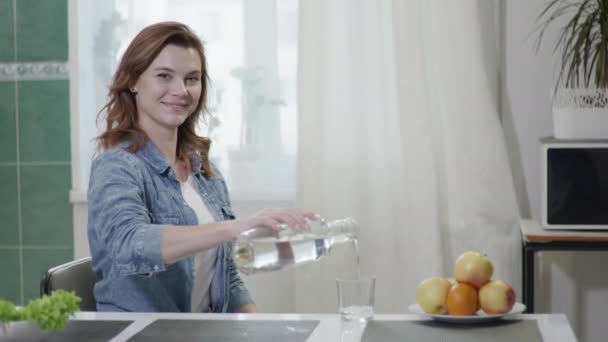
{"x": 160, "y": 222}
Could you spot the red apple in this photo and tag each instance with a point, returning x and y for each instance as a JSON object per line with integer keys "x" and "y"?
{"x": 473, "y": 268}
{"x": 496, "y": 297}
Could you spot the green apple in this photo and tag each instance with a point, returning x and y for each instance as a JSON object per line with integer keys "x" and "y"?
{"x": 432, "y": 295}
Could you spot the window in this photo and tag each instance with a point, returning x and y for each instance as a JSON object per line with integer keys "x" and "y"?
{"x": 251, "y": 52}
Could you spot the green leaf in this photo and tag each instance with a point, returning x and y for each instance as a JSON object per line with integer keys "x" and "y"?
{"x": 583, "y": 40}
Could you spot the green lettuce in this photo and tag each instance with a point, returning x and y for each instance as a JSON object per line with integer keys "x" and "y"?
{"x": 49, "y": 312}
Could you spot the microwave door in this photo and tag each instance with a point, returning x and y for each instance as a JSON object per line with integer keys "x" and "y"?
{"x": 577, "y": 186}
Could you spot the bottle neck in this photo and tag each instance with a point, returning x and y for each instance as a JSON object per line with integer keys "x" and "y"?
{"x": 347, "y": 226}
{"x": 320, "y": 228}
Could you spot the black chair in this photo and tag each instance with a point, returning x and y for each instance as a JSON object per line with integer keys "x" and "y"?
{"x": 77, "y": 276}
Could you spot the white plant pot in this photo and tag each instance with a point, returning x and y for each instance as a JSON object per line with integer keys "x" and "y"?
{"x": 21, "y": 331}
{"x": 580, "y": 114}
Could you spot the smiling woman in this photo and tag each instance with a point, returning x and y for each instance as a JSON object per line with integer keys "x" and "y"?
{"x": 160, "y": 222}
{"x": 159, "y": 83}
{"x": 250, "y": 52}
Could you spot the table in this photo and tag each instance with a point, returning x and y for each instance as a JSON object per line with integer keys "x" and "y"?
{"x": 552, "y": 327}
{"x": 325, "y": 327}
{"x": 535, "y": 238}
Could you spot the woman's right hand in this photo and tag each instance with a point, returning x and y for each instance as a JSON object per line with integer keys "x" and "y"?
{"x": 274, "y": 218}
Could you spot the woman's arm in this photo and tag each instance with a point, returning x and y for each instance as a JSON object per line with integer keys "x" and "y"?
{"x": 120, "y": 230}
{"x": 178, "y": 242}
{"x": 120, "y": 225}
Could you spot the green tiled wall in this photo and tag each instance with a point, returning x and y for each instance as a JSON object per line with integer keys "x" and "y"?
{"x": 8, "y": 134}
{"x": 42, "y": 30}
{"x": 7, "y": 34}
{"x": 35, "y": 171}
{"x": 44, "y": 120}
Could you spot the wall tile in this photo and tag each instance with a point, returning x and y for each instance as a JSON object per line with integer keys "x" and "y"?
{"x": 7, "y": 32}
{"x": 42, "y": 30}
{"x": 9, "y": 233}
{"x": 10, "y": 286}
{"x": 8, "y": 138}
{"x": 44, "y": 120}
{"x": 35, "y": 263}
{"x": 45, "y": 207}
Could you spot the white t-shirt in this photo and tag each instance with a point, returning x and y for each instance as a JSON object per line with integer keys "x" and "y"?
{"x": 204, "y": 262}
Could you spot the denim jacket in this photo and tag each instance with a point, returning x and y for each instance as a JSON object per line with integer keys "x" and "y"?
{"x": 132, "y": 198}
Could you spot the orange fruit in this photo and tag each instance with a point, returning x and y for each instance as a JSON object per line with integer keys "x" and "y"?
{"x": 462, "y": 299}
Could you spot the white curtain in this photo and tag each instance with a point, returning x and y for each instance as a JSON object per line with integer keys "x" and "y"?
{"x": 399, "y": 128}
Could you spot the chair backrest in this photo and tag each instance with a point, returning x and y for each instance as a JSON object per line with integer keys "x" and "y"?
{"x": 77, "y": 276}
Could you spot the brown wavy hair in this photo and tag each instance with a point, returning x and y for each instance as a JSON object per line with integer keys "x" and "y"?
{"x": 121, "y": 109}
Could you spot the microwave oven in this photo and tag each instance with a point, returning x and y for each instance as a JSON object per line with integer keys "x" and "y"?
{"x": 575, "y": 184}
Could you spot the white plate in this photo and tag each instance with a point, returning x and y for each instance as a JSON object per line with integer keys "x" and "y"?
{"x": 479, "y": 317}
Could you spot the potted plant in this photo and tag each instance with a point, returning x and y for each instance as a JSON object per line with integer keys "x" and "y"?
{"x": 580, "y": 101}
{"x": 38, "y": 317}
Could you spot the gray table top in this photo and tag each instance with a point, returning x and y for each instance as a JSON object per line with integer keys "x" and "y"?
{"x": 553, "y": 327}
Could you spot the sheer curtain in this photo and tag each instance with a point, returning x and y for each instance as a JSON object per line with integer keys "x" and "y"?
{"x": 399, "y": 127}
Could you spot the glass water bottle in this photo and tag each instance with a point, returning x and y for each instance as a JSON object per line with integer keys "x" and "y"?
{"x": 263, "y": 249}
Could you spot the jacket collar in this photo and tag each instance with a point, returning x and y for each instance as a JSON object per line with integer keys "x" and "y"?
{"x": 151, "y": 155}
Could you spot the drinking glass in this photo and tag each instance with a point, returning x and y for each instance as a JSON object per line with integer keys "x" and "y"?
{"x": 356, "y": 297}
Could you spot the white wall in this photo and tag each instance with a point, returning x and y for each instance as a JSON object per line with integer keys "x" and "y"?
{"x": 570, "y": 282}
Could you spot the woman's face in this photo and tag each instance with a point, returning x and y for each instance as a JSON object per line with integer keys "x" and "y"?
{"x": 169, "y": 90}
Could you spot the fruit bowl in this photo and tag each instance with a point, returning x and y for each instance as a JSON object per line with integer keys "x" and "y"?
{"x": 479, "y": 317}
{"x": 472, "y": 288}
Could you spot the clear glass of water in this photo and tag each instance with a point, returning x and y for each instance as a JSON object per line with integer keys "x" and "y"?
{"x": 356, "y": 298}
